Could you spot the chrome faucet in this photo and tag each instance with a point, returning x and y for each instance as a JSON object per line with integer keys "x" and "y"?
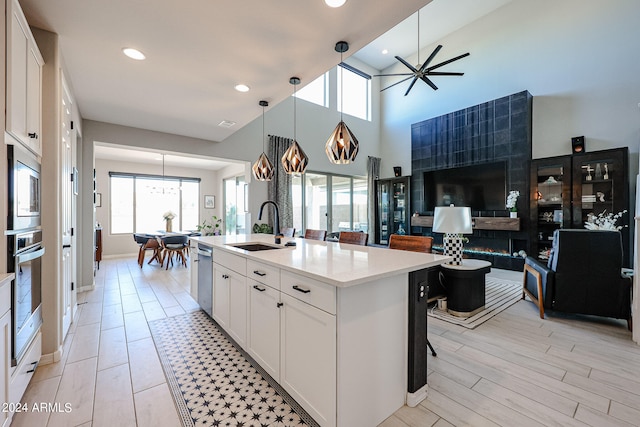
{"x": 276, "y": 222}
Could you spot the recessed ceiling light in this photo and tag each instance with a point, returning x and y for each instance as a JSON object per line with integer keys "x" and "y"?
{"x": 385, "y": 51}
{"x": 133, "y": 53}
{"x": 335, "y": 3}
{"x": 242, "y": 88}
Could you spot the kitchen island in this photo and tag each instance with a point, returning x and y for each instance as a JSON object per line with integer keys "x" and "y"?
{"x": 328, "y": 321}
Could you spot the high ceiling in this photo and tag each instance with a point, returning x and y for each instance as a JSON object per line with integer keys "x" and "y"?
{"x": 198, "y": 50}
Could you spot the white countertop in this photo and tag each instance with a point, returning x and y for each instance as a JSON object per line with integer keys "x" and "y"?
{"x": 338, "y": 264}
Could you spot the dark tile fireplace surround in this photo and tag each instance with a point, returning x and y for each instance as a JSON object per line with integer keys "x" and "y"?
{"x": 493, "y": 131}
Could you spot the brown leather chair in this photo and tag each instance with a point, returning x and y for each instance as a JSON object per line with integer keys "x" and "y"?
{"x": 315, "y": 234}
{"x": 353, "y": 237}
{"x": 288, "y": 232}
{"x": 411, "y": 243}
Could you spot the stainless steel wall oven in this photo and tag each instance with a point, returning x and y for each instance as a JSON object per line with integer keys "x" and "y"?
{"x": 25, "y": 250}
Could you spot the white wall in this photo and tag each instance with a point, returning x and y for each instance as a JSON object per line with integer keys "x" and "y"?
{"x": 579, "y": 59}
{"x": 118, "y": 244}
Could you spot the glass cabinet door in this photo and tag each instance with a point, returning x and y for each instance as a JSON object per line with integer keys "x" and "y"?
{"x": 392, "y": 207}
{"x": 550, "y": 202}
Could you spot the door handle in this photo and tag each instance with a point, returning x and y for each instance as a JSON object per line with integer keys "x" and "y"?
{"x": 66, "y": 246}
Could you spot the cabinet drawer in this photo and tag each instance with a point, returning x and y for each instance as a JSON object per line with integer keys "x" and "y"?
{"x": 264, "y": 273}
{"x": 231, "y": 261}
{"x": 24, "y": 371}
{"x": 310, "y": 291}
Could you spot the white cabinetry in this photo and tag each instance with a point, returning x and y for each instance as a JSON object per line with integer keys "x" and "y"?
{"x": 230, "y": 295}
{"x": 5, "y": 345}
{"x": 24, "y": 81}
{"x": 263, "y": 341}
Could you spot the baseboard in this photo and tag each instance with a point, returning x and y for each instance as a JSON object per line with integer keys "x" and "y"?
{"x": 87, "y": 288}
{"x": 414, "y": 399}
{"x": 49, "y": 358}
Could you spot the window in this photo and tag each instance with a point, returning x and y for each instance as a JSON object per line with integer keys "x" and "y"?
{"x": 355, "y": 100}
{"x": 329, "y": 202}
{"x": 138, "y": 202}
{"x": 317, "y": 91}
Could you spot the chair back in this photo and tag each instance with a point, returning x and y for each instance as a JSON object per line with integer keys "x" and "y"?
{"x": 354, "y": 237}
{"x": 175, "y": 239}
{"x": 587, "y": 267}
{"x": 288, "y": 231}
{"x": 315, "y": 234}
{"x": 411, "y": 243}
{"x": 140, "y": 239}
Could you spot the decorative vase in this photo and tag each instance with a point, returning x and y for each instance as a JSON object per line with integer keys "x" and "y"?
{"x": 453, "y": 244}
{"x": 169, "y": 225}
{"x": 513, "y": 214}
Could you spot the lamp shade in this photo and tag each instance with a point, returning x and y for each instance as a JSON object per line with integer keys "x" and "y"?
{"x": 263, "y": 169}
{"x": 342, "y": 145}
{"x": 294, "y": 160}
{"x": 452, "y": 220}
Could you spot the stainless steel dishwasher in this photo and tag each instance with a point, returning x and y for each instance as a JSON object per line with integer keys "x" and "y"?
{"x": 205, "y": 278}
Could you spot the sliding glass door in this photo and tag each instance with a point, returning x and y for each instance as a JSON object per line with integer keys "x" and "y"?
{"x": 235, "y": 205}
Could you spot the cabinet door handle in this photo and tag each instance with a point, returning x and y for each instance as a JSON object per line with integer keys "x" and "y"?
{"x": 258, "y": 288}
{"x": 299, "y": 289}
{"x": 279, "y": 304}
{"x": 35, "y": 365}
{"x": 33, "y": 135}
{"x": 259, "y": 273}
{"x": 225, "y": 276}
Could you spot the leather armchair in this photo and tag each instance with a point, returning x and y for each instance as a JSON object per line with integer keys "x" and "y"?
{"x": 583, "y": 275}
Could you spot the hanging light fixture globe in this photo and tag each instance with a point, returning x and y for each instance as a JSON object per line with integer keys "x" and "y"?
{"x": 294, "y": 160}
{"x": 342, "y": 146}
{"x": 263, "y": 169}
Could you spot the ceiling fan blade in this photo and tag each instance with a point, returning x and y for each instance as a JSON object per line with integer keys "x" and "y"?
{"x": 397, "y": 83}
{"x": 444, "y": 73}
{"x": 449, "y": 61}
{"x": 430, "y": 58}
{"x": 389, "y": 75}
{"x": 406, "y": 64}
{"x": 415, "y": 79}
{"x": 429, "y": 82}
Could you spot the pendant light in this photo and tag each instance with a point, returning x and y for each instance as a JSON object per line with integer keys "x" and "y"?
{"x": 263, "y": 169}
{"x": 342, "y": 145}
{"x": 294, "y": 160}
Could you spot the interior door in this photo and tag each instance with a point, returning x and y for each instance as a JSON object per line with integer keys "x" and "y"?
{"x": 69, "y": 178}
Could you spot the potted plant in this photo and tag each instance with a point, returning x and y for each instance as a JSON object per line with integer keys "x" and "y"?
{"x": 210, "y": 228}
{"x": 168, "y": 217}
{"x": 512, "y": 199}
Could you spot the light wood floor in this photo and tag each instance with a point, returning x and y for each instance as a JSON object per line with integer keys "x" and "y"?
{"x": 513, "y": 370}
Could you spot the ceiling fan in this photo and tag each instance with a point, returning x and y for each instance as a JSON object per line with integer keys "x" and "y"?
{"x": 423, "y": 71}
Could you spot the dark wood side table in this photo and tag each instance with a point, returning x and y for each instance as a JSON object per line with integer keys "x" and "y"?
{"x": 465, "y": 286}
{"x": 98, "y": 254}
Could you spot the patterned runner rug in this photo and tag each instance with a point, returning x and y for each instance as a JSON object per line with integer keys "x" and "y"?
{"x": 500, "y": 294}
{"x": 214, "y": 383}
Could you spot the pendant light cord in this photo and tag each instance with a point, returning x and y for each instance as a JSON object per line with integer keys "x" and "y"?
{"x": 263, "y": 129}
{"x": 341, "y": 87}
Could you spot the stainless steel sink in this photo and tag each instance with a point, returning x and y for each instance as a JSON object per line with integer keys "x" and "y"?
{"x": 254, "y": 246}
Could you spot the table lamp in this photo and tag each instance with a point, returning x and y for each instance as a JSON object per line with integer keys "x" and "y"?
{"x": 453, "y": 221}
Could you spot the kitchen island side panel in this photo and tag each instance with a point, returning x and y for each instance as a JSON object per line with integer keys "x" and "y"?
{"x": 372, "y": 350}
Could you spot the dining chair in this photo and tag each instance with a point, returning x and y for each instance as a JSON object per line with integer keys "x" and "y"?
{"x": 353, "y": 237}
{"x": 315, "y": 234}
{"x": 174, "y": 244}
{"x": 147, "y": 243}
{"x": 413, "y": 244}
{"x": 288, "y": 232}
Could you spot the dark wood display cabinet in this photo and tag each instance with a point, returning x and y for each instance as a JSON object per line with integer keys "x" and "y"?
{"x": 567, "y": 190}
{"x": 392, "y": 208}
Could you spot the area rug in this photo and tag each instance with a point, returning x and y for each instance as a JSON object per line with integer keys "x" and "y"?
{"x": 500, "y": 294}
{"x": 215, "y": 383}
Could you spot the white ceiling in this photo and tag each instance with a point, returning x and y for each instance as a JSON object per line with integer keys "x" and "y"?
{"x": 139, "y": 155}
{"x": 198, "y": 50}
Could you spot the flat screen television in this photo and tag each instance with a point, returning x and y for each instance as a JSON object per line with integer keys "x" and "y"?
{"x": 483, "y": 187}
